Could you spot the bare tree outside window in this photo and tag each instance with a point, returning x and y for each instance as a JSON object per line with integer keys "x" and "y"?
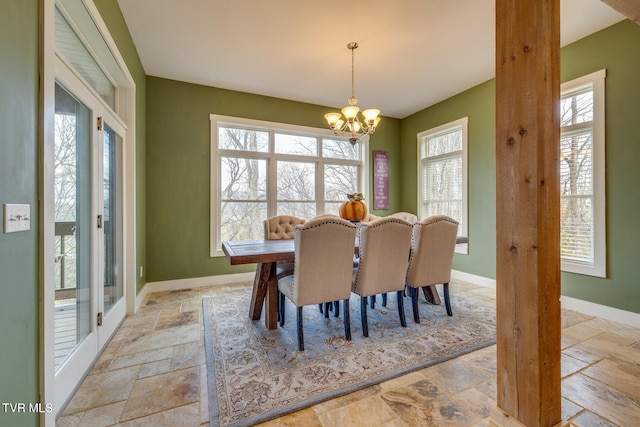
{"x": 442, "y": 174}
{"x": 65, "y": 168}
{"x": 310, "y": 175}
{"x": 576, "y": 176}
{"x": 64, "y": 188}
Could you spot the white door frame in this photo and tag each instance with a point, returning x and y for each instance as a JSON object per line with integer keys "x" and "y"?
{"x": 126, "y": 107}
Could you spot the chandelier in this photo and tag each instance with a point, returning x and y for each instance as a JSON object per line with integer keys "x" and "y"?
{"x": 350, "y": 127}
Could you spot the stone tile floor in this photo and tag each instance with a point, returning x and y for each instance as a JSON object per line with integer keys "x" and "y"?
{"x": 154, "y": 373}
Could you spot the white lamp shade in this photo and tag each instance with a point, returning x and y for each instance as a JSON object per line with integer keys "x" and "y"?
{"x": 350, "y": 112}
{"x": 370, "y": 114}
{"x": 332, "y": 118}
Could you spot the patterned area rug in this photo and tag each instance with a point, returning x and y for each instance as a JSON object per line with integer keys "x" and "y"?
{"x": 255, "y": 374}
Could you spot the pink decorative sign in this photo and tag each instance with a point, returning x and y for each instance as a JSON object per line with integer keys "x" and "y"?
{"x": 380, "y": 180}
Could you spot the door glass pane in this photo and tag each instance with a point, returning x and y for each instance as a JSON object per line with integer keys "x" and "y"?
{"x": 72, "y": 47}
{"x": 72, "y": 200}
{"x": 112, "y": 216}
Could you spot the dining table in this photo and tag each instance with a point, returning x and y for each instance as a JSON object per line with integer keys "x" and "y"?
{"x": 266, "y": 254}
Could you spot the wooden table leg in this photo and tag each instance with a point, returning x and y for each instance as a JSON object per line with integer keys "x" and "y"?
{"x": 431, "y": 294}
{"x": 271, "y": 306}
{"x": 263, "y": 271}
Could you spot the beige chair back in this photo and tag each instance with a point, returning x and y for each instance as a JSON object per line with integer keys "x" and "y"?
{"x": 324, "y": 250}
{"x": 385, "y": 244}
{"x": 432, "y": 247}
{"x": 409, "y": 217}
{"x": 280, "y": 227}
{"x": 326, "y": 215}
{"x": 370, "y": 217}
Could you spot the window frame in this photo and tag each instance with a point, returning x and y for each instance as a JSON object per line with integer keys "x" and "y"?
{"x": 422, "y": 137}
{"x": 597, "y": 81}
{"x": 272, "y": 159}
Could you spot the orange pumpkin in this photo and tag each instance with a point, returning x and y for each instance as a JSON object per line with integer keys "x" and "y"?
{"x": 354, "y": 209}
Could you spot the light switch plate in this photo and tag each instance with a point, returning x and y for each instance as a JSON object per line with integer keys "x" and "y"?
{"x": 16, "y": 218}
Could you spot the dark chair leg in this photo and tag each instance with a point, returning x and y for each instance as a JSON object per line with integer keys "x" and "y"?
{"x": 327, "y": 305}
{"x": 384, "y": 300}
{"x": 447, "y": 301}
{"x": 363, "y": 316}
{"x": 414, "y": 304}
{"x": 281, "y": 308}
{"x": 320, "y": 307}
{"x": 300, "y": 334}
{"x": 336, "y": 308}
{"x": 403, "y": 319}
{"x": 372, "y": 298}
{"x": 347, "y": 321}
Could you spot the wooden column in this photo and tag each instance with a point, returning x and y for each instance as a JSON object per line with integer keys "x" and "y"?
{"x": 629, "y": 8}
{"x": 527, "y": 212}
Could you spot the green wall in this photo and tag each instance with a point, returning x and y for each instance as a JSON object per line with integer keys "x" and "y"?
{"x": 18, "y": 184}
{"x": 478, "y": 104}
{"x": 113, "y": 19}
{"x": 178, "y": 168}
{"x": 617, "y": 49}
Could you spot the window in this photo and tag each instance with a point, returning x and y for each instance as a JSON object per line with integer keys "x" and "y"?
{"x": 582, "y": 191}
{"x": 262, "y": 169}
{"x": 442, "y": 171}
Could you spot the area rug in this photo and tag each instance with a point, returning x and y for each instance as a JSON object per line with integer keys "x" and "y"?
{"x": 255, "y": 374}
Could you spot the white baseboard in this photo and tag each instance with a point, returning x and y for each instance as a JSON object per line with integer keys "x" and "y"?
{"x": 568, "y": 303}
{"x": 586, "y": 307}
{"x": 472, "y": 278}
{"x": 605, "y": 312}
{"x": 195, "y": 282}
{"x": 141, "y": 296}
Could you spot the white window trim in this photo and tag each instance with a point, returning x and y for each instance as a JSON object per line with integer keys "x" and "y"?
{"x": 215, "y": 243}
{"x": 462, "y": 123}
{"x": 599, "y": 267}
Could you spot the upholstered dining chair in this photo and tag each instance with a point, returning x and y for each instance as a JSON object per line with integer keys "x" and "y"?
{"x": 278, "y": 228}
{"x": 323, "y": 268}
{"x": 433, "y": 243}
{"x": 370, "y": 217}
{"x": 407, "y": 216}
{"x": 328, "y": 306}
{"x": 385, "y": 244}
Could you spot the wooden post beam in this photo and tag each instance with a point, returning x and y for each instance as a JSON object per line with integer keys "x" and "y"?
{"x": 528, "y": 213}
{"x": 629, "y": 8}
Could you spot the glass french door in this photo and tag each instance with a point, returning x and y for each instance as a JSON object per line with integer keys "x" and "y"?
{"x": 88, "y": 215}
{"x": 111, "y": 304}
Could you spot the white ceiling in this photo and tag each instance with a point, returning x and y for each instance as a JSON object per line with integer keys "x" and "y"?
{"x": 412, "y": 54}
